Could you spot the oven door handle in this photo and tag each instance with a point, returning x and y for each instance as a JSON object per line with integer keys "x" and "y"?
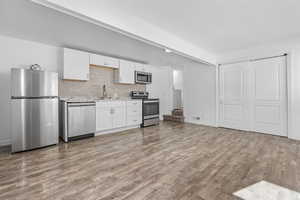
{"x": 149, "y": 101}
{"x": 150, "y": 116}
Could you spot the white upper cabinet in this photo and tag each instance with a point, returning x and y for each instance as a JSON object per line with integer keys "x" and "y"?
{"x": 125, "y": 74}
{"x": 76, "y": 65}
{"x": 104, "y": 61}
{"x": 141, "y": 67}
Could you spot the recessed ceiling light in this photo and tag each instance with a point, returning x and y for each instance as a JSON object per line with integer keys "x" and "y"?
{"x": 168, "y": 50}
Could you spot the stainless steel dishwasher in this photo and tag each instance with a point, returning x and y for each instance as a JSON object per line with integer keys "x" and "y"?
{"x": 78, "y": 120}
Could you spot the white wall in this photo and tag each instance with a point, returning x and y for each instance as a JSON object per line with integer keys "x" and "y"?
{"x": 294, "y": 94}
{"x": 19, "y": 53}
{"x": 199, "y": 85}
{"x": 293, "y": 78}
{"x": 162, "y": 88}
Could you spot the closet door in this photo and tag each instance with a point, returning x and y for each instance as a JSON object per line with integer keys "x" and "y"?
{"x": 269, "y": 96}
{"x": 234, "y": 95}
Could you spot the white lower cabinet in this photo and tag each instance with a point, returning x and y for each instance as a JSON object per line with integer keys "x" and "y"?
{"x": 134, "y": 113}
{"x": 118, "y": 114}
{"x": 133, "y": 120}
{"x": 104, "y": 118}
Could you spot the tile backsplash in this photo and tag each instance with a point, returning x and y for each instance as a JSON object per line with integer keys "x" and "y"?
{"x": 93, "y": 88}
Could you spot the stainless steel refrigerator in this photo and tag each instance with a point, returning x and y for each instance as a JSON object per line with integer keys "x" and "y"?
{"x": 34, "y": 109}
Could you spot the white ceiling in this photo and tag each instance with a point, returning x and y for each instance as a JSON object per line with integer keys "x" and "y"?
{"x": 215, "y": 25}
{"x": 218, "y": 25}
{"x": 28, "y": 21}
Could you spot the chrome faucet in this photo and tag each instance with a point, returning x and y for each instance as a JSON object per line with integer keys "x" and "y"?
{"x": 104, "y": 93}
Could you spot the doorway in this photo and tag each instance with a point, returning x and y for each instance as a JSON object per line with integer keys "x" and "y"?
{"x": 177, "y": 89}
{"x": 253, "y": 96}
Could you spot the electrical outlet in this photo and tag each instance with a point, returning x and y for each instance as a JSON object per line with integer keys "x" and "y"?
{"x": 197, "y": 118}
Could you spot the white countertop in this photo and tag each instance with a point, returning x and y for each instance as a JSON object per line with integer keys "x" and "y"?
{"x": 95, "y": 99}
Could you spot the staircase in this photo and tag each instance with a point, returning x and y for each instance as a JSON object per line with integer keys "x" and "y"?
{"x": 177, "y": 116}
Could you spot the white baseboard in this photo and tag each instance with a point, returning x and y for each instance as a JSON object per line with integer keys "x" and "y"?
{"x": 200, "y": 123}
{"x": 116, "y": 130}
{"x": 5, "y": 142}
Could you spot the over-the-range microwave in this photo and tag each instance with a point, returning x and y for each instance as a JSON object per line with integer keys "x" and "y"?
{"x": 143, "y": 77}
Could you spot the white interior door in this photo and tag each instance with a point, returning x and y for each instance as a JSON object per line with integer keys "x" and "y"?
{"x": 234, "y": 112}
{"x": 253, "y": 96}
{"x": 269, "y": 96}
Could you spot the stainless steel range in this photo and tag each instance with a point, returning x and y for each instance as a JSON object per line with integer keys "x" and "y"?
{"x": 150, "y": 108}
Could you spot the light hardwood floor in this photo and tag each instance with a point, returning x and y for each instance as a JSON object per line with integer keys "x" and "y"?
{"x": 167, "y": 162}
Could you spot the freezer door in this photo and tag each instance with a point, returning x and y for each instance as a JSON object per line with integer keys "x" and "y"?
{"x": 30, "y": 83}
{"x": 34, "y": 123}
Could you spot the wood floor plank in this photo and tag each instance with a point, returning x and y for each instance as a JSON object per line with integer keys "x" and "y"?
{"x": 172, "y": 161}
